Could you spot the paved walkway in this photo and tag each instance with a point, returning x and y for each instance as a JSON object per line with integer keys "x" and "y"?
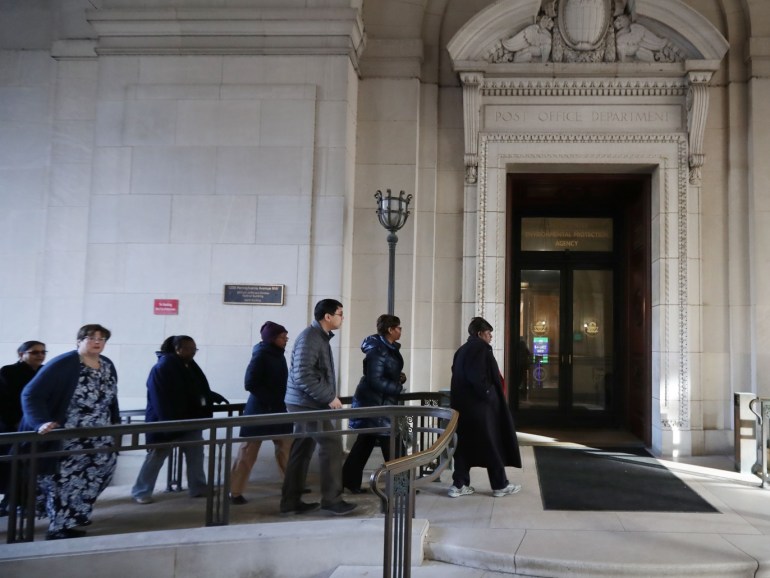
{"x": 484, "y": 536}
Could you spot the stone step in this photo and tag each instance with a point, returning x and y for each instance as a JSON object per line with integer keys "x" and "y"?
{"x": 590, "y": 554}
{"x": 298, "y": 549}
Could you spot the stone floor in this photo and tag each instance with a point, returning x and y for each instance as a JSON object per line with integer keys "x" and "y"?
{"x": 483, "y": 536}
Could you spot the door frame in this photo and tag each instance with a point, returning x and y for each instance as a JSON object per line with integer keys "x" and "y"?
{"x": 629, "y": 207}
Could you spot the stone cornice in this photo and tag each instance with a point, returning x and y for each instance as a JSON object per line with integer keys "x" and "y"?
{"x": 229, "y": 31}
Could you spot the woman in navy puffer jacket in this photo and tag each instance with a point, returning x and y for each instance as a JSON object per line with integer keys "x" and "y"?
{"x": 381, "y": 384}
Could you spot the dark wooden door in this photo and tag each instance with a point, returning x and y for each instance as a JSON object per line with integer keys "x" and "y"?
{"x": 579, "y": 265}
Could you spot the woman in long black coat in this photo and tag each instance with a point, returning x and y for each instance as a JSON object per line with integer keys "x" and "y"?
{"x": 486, "y": 436}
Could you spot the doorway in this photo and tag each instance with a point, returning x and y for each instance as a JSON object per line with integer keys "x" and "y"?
{"x": 578, "y": 300}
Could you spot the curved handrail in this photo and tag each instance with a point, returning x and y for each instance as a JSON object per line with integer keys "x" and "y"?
{"x": 424, "y": 457}
{"x": 752, "y": 410}
{"x": 398, "y": 478}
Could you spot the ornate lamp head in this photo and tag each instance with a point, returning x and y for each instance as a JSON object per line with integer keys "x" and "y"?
{"x": 392, "y": 211}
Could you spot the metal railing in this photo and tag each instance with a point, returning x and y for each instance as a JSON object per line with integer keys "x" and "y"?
{"x": 430, "y": 427}
{"x": 761, "y": 409}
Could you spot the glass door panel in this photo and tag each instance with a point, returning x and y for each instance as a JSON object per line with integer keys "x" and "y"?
{"x": 592, "y": 339}
{"x": 540, "y": 339}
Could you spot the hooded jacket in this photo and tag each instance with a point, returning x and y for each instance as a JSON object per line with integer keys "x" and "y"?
{"x": 381, "y": 382}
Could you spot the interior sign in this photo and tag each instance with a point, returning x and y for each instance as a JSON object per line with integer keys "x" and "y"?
{"x": 568, "y": 234}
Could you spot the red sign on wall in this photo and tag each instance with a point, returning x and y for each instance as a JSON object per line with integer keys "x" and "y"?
{"x": 167, "y": 307}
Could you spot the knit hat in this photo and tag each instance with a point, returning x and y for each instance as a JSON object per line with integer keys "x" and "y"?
{"x": 270, "y": 331}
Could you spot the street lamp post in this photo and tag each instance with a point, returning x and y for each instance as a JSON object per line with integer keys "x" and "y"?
{"x": 392, "y": 213}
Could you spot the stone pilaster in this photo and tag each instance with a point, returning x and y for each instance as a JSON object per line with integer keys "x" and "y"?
{"x": 471, "y": 102}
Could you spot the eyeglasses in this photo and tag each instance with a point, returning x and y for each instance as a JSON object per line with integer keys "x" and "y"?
{"x": 96, "y": 339}
{"x": 337, "y": 315}
{"x": 36, "y": 352}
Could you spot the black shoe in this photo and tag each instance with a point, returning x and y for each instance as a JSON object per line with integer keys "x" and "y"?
{"x": 300, "y": 508}
{"x": 341, "y": 508}
{"x": 65, "y": 533}
{"x": 238, "y": 500}
{"x": 84, "y": 523}
{"x": 353, "y": 490}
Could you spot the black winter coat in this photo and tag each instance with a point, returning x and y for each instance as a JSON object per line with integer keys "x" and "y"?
{"x": 381, "y": 382}
{"x": 13, "y": 378}
{"x": 486, "y": 436}
{"x": 265, "y": 381}
{"x": 176, "y": 391}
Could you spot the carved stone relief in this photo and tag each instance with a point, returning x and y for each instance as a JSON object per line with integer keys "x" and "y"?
{"x": 585, "y": 31}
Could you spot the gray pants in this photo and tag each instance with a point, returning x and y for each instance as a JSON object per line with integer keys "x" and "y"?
{"x": 329, "y": 461}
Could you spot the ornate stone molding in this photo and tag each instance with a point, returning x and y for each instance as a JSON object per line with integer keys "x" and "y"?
{"x": 471, "y": 102}
{"x": 697, "y": 113}
{"x": 626, "y": 86}
{"x": 674, "y": 237}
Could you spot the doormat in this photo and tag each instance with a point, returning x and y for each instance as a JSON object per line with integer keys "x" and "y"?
{"x": 602, "y": 480}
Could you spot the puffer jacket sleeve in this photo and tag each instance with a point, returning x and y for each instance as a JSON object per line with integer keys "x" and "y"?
{"x": 308, "y": 369}
{"x": 381, "y": 374}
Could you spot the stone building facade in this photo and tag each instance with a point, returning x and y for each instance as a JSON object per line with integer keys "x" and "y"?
{"x": 163, "y": 149}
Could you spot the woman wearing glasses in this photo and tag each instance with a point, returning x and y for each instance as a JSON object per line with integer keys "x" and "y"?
{"x": 381, "y": 384}
{"x": 74, "y": 390}
{"x": 13, "y": 378}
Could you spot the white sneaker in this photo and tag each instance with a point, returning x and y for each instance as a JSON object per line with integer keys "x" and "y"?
{"x": 143, "y": 500}
{"x": 455, "y": 492}
{"x": 509, "y": 489}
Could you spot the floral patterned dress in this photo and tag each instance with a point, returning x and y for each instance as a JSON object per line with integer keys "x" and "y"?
{"x": 67, "y": 497}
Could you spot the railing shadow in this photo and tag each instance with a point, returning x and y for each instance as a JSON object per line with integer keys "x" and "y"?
{"x": 429, "y": 428}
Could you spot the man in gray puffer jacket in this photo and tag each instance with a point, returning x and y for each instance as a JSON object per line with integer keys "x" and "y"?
{"x": 312, "y": 386}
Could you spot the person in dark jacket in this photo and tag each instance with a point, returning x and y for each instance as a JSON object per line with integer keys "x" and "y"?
{"x": 75, "y": 389}
{"x": 485, "y": 433}
{"x": 177, "y": 389}
{"x": 265, "y": 381}
{"x": 13, "y": 378}
{"x": 312, "y": 386}
{"x": 381, "y": 383}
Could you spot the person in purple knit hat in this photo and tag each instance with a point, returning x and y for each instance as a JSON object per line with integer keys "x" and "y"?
{"x": 265, "y": 381}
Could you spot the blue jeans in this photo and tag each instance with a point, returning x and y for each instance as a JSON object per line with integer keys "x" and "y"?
{"x": 193, "y": 455}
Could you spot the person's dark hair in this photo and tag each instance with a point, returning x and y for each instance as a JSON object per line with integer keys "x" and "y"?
{"x": 27, "y": 345}
{"x": 385, "y": 322}
{"x": 173, "y": 342}
{"x": 325, "y": 306}
{"x": 477, "y": 325}
{"x": 91, "y": 328}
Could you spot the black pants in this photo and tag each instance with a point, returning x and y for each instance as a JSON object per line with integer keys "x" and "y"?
{"x": 359, "y": 454}
{"x": 462, "y": 474}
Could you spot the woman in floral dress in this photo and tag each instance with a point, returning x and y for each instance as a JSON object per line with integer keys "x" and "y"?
{"x": 76, "y": 389}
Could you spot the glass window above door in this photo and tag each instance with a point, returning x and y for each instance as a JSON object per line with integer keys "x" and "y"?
{"x": 565, "y": 234}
